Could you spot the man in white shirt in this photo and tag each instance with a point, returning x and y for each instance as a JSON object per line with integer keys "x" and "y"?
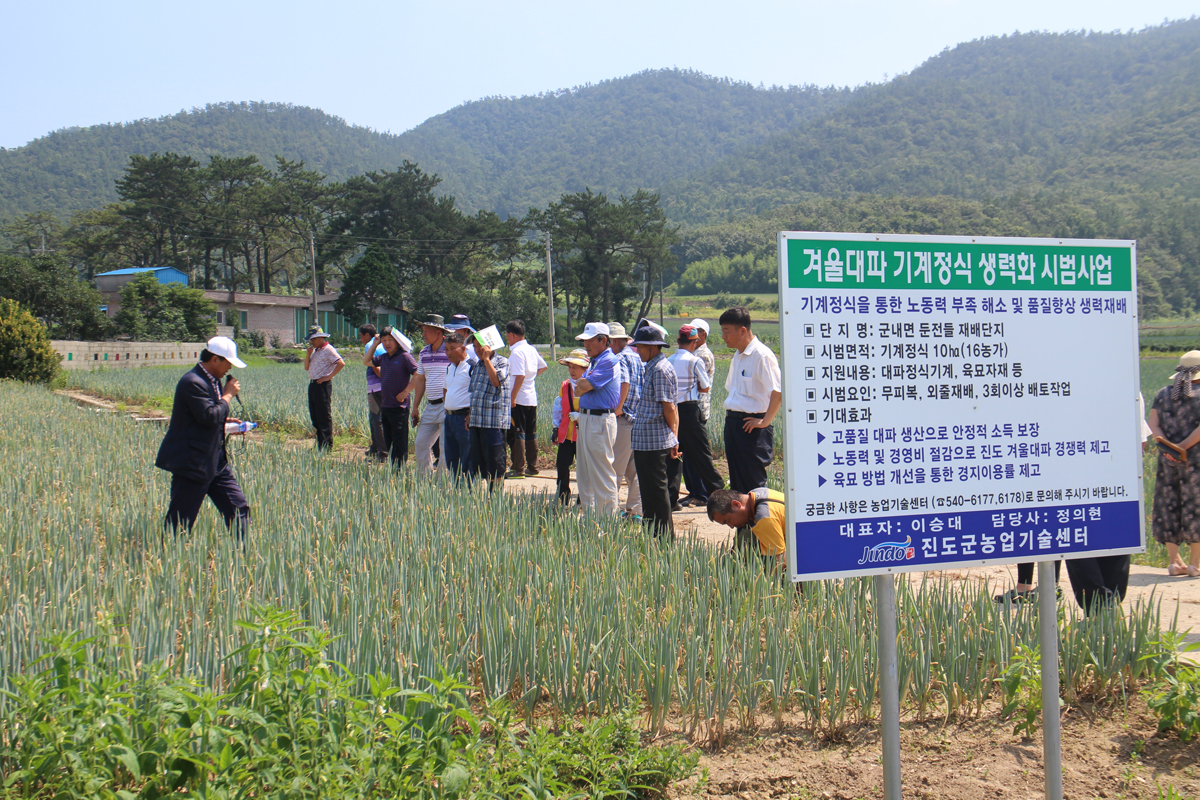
{"x": 456, "y": 438}
{"x": 693, "y": 384}
{"x": 524, "y": 365}
{"x": 710, "y": 364}
{"x": 322, "y": 362}
{"x": 755, "y": 393}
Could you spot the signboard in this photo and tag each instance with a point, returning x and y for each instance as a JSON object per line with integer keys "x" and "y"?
{"x": 958, "y": 401}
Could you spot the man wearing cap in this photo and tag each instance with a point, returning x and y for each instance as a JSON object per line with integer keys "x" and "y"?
{"x": 631, "y": 368}
{"x": 396, "y": 370}
{"x": 655, "y": 429}
{"x": 755, "y": 392}
{"x": 490, "y": 415}
{"x": 703, "y": 353}
{"x": 366, "y": 335}
{"x": 431, "y": 386}
{"x": 323, "y": 363}
{"x": 193, "y": 450}
{"x": 456, "y": 437}
{"x": 696, "y": 455}
{"x": 524, "y": 366}
{"x": 599, "y": 391}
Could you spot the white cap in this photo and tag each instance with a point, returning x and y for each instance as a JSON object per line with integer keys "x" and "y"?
{"x": 224, "y": 347}
{"x": 592, "y": 330}
{"x": 701, "y": 324}
{"x": 402, "y": 340}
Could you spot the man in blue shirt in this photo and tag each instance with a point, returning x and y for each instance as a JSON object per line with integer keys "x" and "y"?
{"x": 655, "y": 431}
{"x": 599, "y": 392}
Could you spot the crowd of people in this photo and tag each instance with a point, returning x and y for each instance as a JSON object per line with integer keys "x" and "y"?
{"x": 625, "y": 412}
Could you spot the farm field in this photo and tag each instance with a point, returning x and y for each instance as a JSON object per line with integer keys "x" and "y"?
{"x": 563, "y": 617}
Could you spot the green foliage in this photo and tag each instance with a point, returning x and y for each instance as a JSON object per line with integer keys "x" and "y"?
{"x": 154, "y": 312}
{"x": 50, "y": 289}
{"x": 749, "y": 272}
{"x": 1022, "y": 687}
{"x": 1175, "y": 698}
{"x": 93, "y": 721}
{"x": 25, "y": 351}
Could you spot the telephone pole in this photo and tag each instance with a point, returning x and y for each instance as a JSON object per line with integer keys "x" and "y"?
{"x": 312, "y": 252}
{"x": 550, "y": 296}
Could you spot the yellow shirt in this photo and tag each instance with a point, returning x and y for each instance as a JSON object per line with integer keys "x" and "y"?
{"x": 767, "y": 524}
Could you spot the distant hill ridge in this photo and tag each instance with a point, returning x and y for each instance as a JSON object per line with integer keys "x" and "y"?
{"x": 1078, "y": 113}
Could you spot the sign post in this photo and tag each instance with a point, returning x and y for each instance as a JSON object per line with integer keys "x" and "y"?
{"x": 955, "y": 402}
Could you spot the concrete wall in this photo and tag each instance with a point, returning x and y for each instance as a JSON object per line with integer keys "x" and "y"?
{"x": 126, "y": 355}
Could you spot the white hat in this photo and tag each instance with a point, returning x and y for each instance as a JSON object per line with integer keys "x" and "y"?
{"x": 226, "y": 348}
{"x": 701, "y": 324}
{"x": 592, "y": 330}
{"x": 402, "y": 340}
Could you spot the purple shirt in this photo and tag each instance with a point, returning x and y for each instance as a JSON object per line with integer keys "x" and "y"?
{"x": 394, "y": 374}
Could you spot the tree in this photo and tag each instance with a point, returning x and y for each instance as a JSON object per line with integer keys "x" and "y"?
{"x": 25, "y": 350}
{"x": 371, "y": 281}
{"x": 605, "y": 249}
{"x": 160, "y": 193}
{"x": 153, "y": 312}
{"x": 47, "y": 286}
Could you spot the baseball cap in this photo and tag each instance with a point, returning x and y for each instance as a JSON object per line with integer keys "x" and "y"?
{"x": 688, "y": 332}
{"x": 701, "y": 324}
{"x": 226, "y": 348}
{"x": 617, "y": 331}
{"x": 592, "y": 330}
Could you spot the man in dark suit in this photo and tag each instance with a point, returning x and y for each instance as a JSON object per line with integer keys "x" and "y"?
{"x": 193, "y": 450}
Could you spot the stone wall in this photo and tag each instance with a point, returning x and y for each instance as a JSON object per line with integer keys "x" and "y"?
{"x": 126, "y": 355}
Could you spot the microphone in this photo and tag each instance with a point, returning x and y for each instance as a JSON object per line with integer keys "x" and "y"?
{"x": 237, "y": 397}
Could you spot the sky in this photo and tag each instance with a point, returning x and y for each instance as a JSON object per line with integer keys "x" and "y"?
{"x": 391, "y": 65}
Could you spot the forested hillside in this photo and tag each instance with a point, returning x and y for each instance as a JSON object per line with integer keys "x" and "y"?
{"x": 1110, "y": 112}
{"x": 500, "y": 154}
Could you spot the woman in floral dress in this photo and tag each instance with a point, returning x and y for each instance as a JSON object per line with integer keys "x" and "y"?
{"x": 1175, "y": 416}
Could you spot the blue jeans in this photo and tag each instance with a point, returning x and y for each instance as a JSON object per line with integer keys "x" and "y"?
{"x": 456, "y": 445}
{"x": 487, "y": 453}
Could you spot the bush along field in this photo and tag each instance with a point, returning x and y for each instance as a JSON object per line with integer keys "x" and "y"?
{"x": 327, "y": 638}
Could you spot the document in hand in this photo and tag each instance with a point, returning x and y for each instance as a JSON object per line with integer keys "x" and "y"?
{"x": 491, "y": 337}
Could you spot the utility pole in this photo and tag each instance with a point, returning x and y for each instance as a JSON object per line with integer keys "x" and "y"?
{"x": 550, "y": 296}
{"x": 312, "y": 252}
{"x": 661, "y": 319}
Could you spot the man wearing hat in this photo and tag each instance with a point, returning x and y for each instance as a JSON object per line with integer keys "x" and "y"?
{"x": 322, "y": 362}
{"x": 631, "y": 378}
{"x": 193, "y": 450}
{"x": 694, "y": 383}
{"x": 710, "y": 365}
{"x": 396, "y": 370}
{"x": 599, "y": 393}
{"x": 456, "y": 436}
{"x": 655, "y": 431}
{"x": 431, "y": 386}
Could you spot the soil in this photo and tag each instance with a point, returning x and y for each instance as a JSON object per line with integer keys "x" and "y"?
{"x": 1108, "y": 751}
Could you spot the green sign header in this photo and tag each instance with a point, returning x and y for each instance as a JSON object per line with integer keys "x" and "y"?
{"x": 933, "y": 265}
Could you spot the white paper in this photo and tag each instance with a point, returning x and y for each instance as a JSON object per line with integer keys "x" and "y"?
{"x": 491, "y": 337}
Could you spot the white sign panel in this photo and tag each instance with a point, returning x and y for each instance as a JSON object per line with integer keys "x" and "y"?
{"x": 958, "y": 401}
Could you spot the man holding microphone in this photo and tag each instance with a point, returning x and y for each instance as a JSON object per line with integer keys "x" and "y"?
{"x": 193, "y": 450}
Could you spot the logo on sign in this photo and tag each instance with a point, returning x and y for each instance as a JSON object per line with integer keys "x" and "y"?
{"x": 888, "y": 551}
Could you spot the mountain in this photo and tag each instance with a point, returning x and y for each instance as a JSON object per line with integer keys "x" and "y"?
{"x": 1108, "y": 112}
{"x": 502, "y": 154}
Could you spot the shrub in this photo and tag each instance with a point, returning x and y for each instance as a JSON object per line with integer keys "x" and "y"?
{"x": 25, "y": 351}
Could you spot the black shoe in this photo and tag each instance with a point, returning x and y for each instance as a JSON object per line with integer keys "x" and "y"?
{"x": 514, "y": 475}
{"x": 531, "y": 473}
{"x": 677, "y": 507}
{"x": 1014, "y": 597}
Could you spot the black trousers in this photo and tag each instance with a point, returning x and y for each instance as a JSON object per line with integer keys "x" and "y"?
{"x": 320, "y": 411}
{"x": 487, "y": 454}
{"x": 651, "y": 466}
{"x": 395, "y": 434}
{"x": 187, "y": 496}
{"x": 1025, "y": 572}
{"x": 748, "y": 454}
{"x": 702, "y": 476}
{"x": 522, "y": 438}
{"x": 1098, "y": 581}
{"x": 563, "y": 462}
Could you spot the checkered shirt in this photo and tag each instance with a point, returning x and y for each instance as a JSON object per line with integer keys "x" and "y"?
{"x": 632, "y": 368}
{"x": 490, "y": 404}
{"x": 650, "y": 429}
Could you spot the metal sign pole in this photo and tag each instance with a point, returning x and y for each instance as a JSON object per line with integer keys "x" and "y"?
{"x": 885, "y": 598}
{"x": 1048, "y": 634}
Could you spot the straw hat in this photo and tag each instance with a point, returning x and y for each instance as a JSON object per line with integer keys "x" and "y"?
{"x": 1190, "y": 359}
{"x": 577, "y": 357}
